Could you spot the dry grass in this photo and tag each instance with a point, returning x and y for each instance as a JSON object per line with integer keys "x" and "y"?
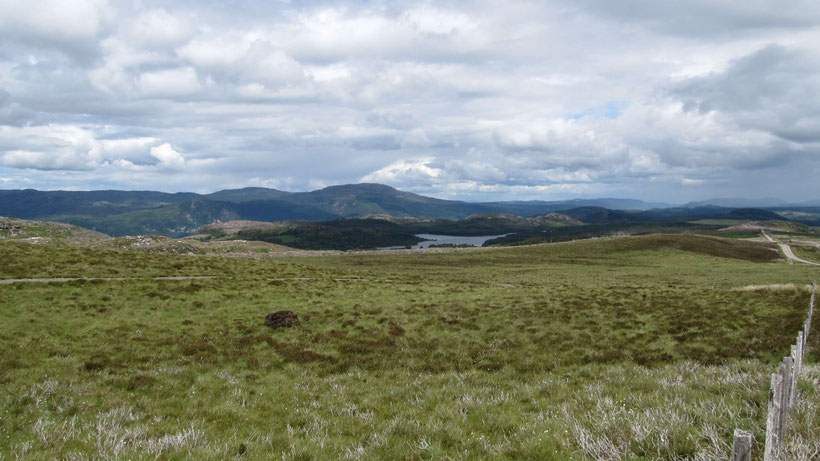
{"x": 775, "y": 287}
{"x": 802, "y": 442}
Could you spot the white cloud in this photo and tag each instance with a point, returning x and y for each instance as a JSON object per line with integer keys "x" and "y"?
{"x": 167, "y": 156}
{"x": 158, "y": 28}
{"x": 406, "y": 172}
{"x": 53, "y": 20}
{"x": 467, "y": 98}
{"x": 266, "y": 64}
{"x": 215, "y": 50}
{"x": 170, "y": 82}
{"x": 50, "y": 147}
{"x": 438, "y": 22}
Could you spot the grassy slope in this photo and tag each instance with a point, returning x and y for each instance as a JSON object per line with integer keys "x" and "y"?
{"x": 807, "y": 252}
{"x": 637, "y": 346}
{"x": 20, "y": 229}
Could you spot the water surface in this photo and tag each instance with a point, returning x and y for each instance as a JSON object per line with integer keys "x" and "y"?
{"x": 435, "y": 239}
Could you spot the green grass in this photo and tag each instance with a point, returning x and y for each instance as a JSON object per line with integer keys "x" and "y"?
{"x": 19, "y": 229}
{"x": 719, "y": 222}
{"x": 644, "y": 347}
{"x": 810, "y": 253}
{"x": 738, "y": 235}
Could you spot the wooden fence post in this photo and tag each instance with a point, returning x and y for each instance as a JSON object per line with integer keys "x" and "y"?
{"x": 811, "y": 310}
{"x": 783, "y": 390}
{"x": 786, "y": 371}
{"x": 795, "y": 375}
{"x": 801, "y": 347}
{"x": 742, "y": 446}
{"x": 773, "y": 419}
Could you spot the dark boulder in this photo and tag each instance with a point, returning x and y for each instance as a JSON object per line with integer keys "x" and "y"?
{"x": 281, "y": 319}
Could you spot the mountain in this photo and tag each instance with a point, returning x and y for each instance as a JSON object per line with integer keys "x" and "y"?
{"x": 739, "y": 203}
{"x": 147, "y": 212}
{"x": 365, "y": 199}
{"x": 173, "y": 220}
{"x": 34, "y": 204}
{"x": 810, "y": 203}
{"x": 247, "y": 194}
{"x": 611, "y": 203}
{"x": 600, "y": 215}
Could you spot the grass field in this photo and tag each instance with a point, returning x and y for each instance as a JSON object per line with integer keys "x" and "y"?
{"x": 719, "y": 222}
{"x": 810, "y": 253}
{"x": 650, "y": 347}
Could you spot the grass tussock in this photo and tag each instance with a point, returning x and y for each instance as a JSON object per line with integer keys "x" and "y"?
{"x": 803, "y": 442}
{"x": 775, "y": 287}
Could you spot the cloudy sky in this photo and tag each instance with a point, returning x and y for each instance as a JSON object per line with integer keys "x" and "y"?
{"x": 476, "y": 100}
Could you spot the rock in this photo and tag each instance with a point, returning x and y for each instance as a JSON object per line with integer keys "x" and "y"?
{"x": 281, "y": 319}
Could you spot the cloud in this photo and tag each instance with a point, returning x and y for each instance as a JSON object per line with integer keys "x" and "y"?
{"x": 169, "y": 82}
{"x": 646, "y": 99}
{"x": 406, "y": 172}
{"x": 51, "y": 147}
{"x": 270, "y": 66}
{"x": 73, "y": 148}
{"x": 167, "y": 156}
{"x": 766, "y": 90}
{"x": 54, "y": 25}
{"x": 707, "y": 17}
{"x": 157, "y": 28}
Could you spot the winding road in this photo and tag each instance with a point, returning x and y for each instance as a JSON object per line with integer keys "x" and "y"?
{"x": 787, "y": 250}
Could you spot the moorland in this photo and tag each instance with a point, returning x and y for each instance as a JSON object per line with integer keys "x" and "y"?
{"x": 633, "y": 347}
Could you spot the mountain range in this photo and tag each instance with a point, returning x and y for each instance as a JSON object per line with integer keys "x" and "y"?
{"x": 117, "y": 212}
{"x": 146, "y": 212}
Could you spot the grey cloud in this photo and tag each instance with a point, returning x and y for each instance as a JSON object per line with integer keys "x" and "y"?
{"x": 384, "y": 142}
{"x": 772, "y": 77}
{"x": 52, "y": 26}
{"x": 396, "y": 121}
{"x": 772, "y": 90}
{"x": 700, "y": 18}
{"x": 448, "y": 98}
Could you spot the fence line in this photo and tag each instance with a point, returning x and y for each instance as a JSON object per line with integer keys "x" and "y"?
{"x": 781, "y": 397}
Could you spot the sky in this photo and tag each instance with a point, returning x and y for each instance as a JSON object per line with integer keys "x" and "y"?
{"x": 474, "y": 100}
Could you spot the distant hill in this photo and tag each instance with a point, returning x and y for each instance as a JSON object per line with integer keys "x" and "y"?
{"x": 739, "y": 203}
{"x": 120, "y": 213}
{"x": 600, "y": 215}
{"x": 754, "y": 213}
{"x": 247, "y": 194}
{"x": 771, "y": 226}
{"x": 34, "y": 204}
{"x": 147, "y": 212}
{"x": 36, "y": 231}
{"x": 547, "y": 220}
{"x": 611, "y": 203}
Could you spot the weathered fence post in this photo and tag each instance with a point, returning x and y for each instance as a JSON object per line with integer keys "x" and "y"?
{"x": 742, "y": 446}
{"x": 795, "y": 374}
{"x": 773, "y": 419}
{"x": 811, "y": 310}
{"x": 786, "y": 371}
{"x": 801, "y": 346}
{"x": 784, "y": 389}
